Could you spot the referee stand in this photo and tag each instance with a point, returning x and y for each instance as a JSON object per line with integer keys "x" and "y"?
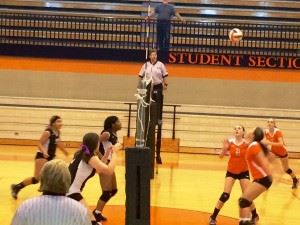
{"x": 138, "y": 161}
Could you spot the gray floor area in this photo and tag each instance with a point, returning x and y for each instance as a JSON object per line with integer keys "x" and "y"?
{"x": 122, "y": 88}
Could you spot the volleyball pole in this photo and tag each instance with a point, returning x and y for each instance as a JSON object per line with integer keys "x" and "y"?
{"x": 148, "y": 28}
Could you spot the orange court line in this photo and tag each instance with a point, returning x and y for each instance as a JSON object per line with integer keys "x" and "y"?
{"x": 165, "y": 216}
{"x": 69, "y": 65}
{"x": 132, "y": 68}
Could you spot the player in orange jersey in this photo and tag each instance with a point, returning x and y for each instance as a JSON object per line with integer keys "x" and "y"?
{"x": 256, "y": 157}
{"x": 237, "y": 169}
{"x": 274, "y": 139}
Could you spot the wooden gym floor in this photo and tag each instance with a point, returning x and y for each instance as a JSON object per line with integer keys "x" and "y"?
{"x": 184, "y": 191}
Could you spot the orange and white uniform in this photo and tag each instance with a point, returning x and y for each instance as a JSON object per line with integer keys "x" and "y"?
{"x": 280, "y": 151}
{"x": 256, "y": 170}
{"x": 237, "y": 161}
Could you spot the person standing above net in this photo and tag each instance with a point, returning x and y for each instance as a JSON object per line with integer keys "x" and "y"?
{"x": 164, "y": 13}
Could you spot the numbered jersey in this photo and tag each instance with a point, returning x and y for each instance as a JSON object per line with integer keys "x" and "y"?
{"x": 274, "y": 137}
{"x": 237, "y": 161}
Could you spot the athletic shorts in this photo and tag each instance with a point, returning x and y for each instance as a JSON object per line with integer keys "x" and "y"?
{"x": 75, "y": 196}
{"x": 280, "y": 154}
{"x": 40, "y": 155}
{"x": 239, "y": 176}
{"x": 265, "y": 181}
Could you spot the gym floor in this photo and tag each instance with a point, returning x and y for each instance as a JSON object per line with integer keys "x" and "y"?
{"x": 184, "y": 190}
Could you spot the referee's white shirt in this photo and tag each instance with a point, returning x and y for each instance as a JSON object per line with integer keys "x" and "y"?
{"x": 157, "y": 71}
{"x": 51, "y": 210}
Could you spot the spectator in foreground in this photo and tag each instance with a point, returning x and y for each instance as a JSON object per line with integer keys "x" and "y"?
{"x": 52, "y": 207}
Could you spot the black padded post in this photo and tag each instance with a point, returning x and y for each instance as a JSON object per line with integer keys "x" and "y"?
{"x": 151, "y": 135}
{"x": 138, "y": 170}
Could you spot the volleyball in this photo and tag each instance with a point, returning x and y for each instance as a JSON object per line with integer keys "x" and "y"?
{"x": 235, "y": 35}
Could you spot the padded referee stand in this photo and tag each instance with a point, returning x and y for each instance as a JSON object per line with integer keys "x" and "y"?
{"x": 151, "y": 135}
{"x": 137, "y": 174}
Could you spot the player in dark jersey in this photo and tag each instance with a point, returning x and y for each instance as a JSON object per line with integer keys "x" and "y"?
{"x": 108, "y": 183}
{"x": 48, "y": 142}
{"x": 86, "y": 163}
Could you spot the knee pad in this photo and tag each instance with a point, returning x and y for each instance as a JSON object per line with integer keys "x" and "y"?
{"x": 244, "y": 203}
{"x": 224, "y": 197}
{"x": 113, "y": 192}
{"x": 245, "y": 222}
{"x": 289, "y": 171}
{"x": 34, "y": 180}
{"x": 105, "y": 196}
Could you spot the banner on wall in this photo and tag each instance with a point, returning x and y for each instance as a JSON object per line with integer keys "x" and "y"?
{"x": 234, "y": 60}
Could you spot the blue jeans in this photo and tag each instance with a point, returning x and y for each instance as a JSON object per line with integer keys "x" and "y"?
{"x": 163, "y": 35}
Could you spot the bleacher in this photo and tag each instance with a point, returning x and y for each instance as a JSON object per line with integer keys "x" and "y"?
{"x": 270, "y": 27}
{"x": 283, "y": 11}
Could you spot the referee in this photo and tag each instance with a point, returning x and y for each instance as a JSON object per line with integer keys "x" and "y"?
{"x": 157, "y": 71}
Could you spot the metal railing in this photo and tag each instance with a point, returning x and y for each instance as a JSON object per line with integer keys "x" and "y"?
{"x": 137, "y": 34}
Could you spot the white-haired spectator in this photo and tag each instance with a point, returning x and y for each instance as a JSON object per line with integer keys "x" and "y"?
{"x": 52, "y": 207}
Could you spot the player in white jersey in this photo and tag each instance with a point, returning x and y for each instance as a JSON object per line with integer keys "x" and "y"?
{"x": 86, "y": 163}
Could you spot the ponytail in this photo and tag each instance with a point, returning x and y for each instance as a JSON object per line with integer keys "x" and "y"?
{"x": 258, "y": 137}
{"x": 264, "y": 148}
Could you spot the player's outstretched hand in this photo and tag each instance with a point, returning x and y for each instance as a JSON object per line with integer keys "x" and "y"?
{"x": 117, "y": 147}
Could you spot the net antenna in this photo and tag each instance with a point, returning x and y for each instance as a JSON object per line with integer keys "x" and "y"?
{"x": 148, "y": 28}
{"x": 143, "y": 113}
